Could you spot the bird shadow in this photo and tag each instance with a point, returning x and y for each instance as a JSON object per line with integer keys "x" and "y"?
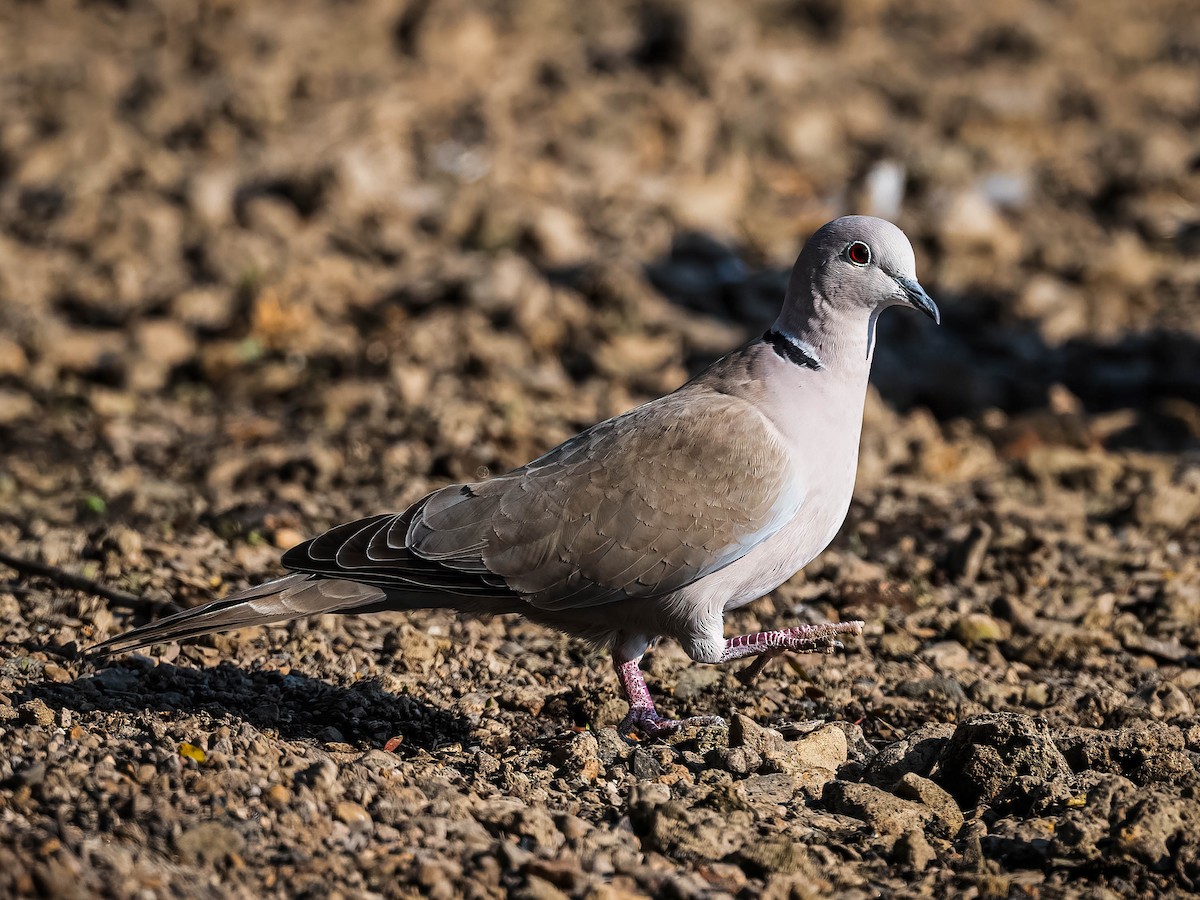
{"x": 983, "y": 357}
{"x": 294, "y": 706}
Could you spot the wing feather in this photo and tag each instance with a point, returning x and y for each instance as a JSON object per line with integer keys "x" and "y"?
{"x": 637, "y": 506}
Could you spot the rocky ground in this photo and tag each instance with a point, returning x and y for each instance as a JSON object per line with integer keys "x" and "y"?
{"x": 269, "y": 266}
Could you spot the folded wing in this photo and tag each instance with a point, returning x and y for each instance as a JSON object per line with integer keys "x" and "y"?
{"x": 637, "y": 506}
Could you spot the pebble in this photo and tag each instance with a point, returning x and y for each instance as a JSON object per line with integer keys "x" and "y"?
{"x": 353, "y": 815}
{"x": 913, "y": 787}
{"x": 913, "y": 850}
{"x": 580, "y": 756}
{"x": 886, "y": 813}
{"x": 978, "y": 628}
{"x": 36, "y": 712}
{"x": 208, "y": 843}
{"x": 825, "y": 748}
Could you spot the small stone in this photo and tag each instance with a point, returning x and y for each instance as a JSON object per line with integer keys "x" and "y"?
{"x": 767, "y": 791}
{"x": 1163, "y": 700}
{"x": 886, "y": 813}
{"x": 913, "y": 787}
{"x": 31, "y": 776}
{"x": 947, "y": 656}
{"x": 285, "y": 538}
{"x": 413, "y": 645}
{"x": 643, "y": 765}
{"x": 744, "y": 732}
{"x": 279, "y": 796}
{"x": 825, "y": 748}
{"x": 696, "y": 680}
{"x": 646, "y": 794}
{"x": 918, "y": 752}
{"x": 682, "y": 831}
{"x": 204, "y": 307}
{"x": 13, "y": 361}
{"x": 164, "y": 342}
{"x": 579, "y": 756}
{"x": 779, "y": 854}
{"x": 537, "y": 826}
{"x": 610, "y": 746}
{"x": 609, "y": 714}
{"x": 88, "y": 350}
{"x": 36, "y": 712}
{"x": 208, "y": 842}
{"x": 320, "y": 776}
{"x": 813, "y": 781}
{"x": 574, "y": 828}
{"x": 15, "y": 406}
{"x": 353, "y": 815}
{"x": 56, "y": 673}
{"x": 970, "y": 219}
{"x": 739, "y": 760}
{"x": 1145, "y": 753}
{"x": 711, "y": 737}
{"x": 980, "y": 628}
{"x": 913, "y": 850}
{"x": 559, "y": 237}
{"x": 1036, "y": 694}
{"x": 635, "y": 354}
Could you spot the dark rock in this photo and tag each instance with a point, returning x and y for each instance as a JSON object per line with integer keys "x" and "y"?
{"x": 918, "y": 752}
{"x": 1146, "y": 753}
{"x": 987, "y": 753}
{"x": 643, "y": 765}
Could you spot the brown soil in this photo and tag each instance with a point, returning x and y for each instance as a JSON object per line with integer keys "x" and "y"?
{"x": 268, "y": 266}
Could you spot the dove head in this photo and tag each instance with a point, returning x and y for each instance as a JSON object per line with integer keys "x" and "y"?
{"x": 852, "y": 269}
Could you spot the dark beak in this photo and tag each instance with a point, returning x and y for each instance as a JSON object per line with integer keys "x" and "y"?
{"x": 914, "y": 295}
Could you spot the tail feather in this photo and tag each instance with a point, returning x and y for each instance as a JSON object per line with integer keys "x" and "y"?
{"x": 290, "y": 597}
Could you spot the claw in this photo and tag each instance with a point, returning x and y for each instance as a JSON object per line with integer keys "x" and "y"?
{"x": 649, "y": 723}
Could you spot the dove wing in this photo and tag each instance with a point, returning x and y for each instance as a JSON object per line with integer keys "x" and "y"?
{"x": 637, "y": 506}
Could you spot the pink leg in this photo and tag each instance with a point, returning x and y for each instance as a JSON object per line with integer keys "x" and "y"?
{"x": 642, "y": 715}
{"x": 766, "y": 645}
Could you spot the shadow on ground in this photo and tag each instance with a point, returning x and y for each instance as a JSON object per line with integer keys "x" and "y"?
{"x": 982, "y": 357}
{"x": 295, "y": 706}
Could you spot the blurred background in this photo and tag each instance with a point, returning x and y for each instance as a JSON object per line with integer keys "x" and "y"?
{"x": 284, "y": 247}
{"x": 268, "y": 266}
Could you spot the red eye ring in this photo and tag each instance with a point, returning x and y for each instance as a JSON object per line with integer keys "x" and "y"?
{"x": 858, "y": 253}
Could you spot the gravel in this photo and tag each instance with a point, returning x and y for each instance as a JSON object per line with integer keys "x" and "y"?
{"x": 266, "y": 267}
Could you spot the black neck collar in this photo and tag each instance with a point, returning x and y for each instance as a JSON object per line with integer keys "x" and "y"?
{"x": 792, "y": 351}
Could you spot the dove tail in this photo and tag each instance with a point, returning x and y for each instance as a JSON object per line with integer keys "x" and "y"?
{"x": 290, "y": 597}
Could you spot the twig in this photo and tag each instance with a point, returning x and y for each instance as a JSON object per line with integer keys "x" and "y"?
{"x": 123, "y": 599}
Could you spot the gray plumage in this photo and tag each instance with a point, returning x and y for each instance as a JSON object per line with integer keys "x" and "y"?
{"x": 652, "y": 523}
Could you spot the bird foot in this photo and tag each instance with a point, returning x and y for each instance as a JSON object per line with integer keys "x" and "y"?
{"x": 798, "y": 639}
{"x": 646, "y": 721}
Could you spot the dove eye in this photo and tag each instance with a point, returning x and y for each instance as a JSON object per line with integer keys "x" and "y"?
{"x": 858, "y": 253}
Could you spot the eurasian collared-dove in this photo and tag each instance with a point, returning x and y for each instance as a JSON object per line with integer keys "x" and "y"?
{"x": 653, "y": 523}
